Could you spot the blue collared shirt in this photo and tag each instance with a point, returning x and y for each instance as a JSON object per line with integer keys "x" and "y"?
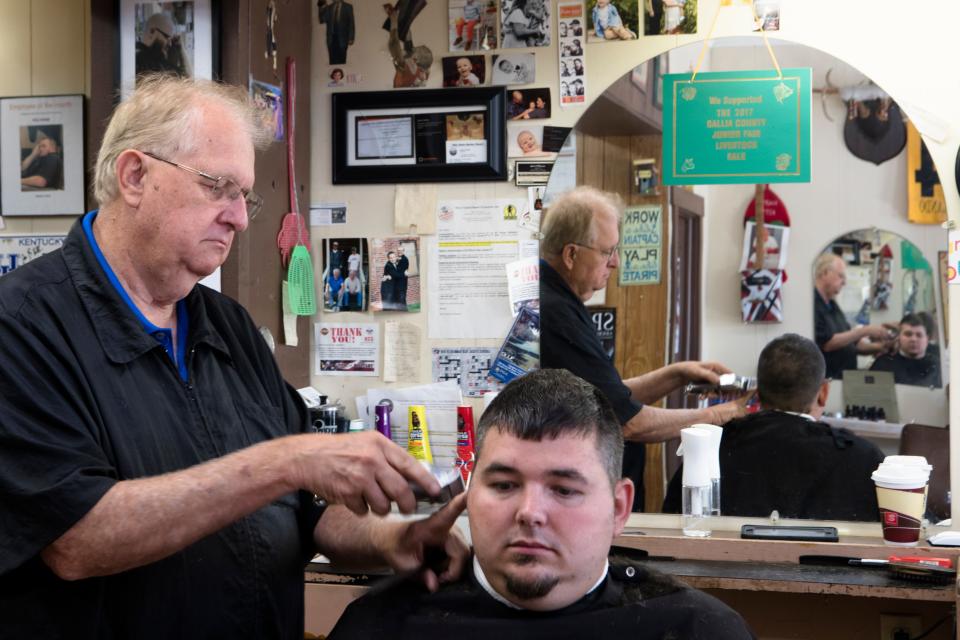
{"x": 162, "y": 335}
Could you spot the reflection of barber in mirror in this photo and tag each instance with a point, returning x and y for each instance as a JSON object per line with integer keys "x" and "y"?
{"x": 546, "y": 501}
{"x": 782, "y": 458}
{"x": 840, "y": 343}
{"x": 43, "y": 167}
{"x": 579, "y": 248}
{"x": 915, "y": 361}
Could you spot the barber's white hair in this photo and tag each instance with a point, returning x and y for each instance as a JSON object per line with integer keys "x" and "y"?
{"x": 162, "y": 116}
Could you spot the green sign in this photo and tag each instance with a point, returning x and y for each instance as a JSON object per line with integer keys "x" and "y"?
{"x": 641, "y": 238}
{"x": 736, "y": 127}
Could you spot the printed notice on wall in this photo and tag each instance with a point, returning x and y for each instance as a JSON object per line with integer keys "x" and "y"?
{"x": 401, "y": 351}
{"x": 344, "y": 349}
{"x": 476, "y": 239}
{"x": 469, "y": 366}
{"x": 16, "y": 251}
{"x": 640, "y": 245}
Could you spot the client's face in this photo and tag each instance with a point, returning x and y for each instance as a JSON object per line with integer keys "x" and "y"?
{"x": 542, "y": 517}
{"x": 913, "y": 341}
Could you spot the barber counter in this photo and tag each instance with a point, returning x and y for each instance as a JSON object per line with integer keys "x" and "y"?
{"x": 783, "y": 589}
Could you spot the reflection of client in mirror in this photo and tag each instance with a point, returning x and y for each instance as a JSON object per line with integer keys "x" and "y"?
{"x": 840, "y": 343}
{"x": 783, "y": 458}
{"x": 43, "y": 167}
{"x": 915, "y": 361}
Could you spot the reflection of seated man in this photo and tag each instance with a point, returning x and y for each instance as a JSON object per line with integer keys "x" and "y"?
{"x": 912, "y": 364}
{"x": 545, "y": 503}
{"x": 334, "y": 289}
{"x": 42, "y": 169}
{"x": 352, "y": 297}
{"x": 840, "y": 344}
{"x": 782, "y": 458}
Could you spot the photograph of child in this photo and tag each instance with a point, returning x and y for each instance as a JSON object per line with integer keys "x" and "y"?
{"x": 525, "y": 140}
{"x": 463, "y": 71}
{"x": 513, "y": 68}
{"x": 473, "y": 25}
{"x": 345, "y": 274}
{"x": 612, "y": 20}
{"x": 524, "y": 23}
{"x": 666, "y": 17}
{"x": 528, "y": 104}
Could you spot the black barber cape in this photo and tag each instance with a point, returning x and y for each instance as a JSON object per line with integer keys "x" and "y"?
{"x": 87, "y": 399}
{"x": 632, "y": 603}
{"x": 922, "y": 372}
{"x": 803, "y": 469}
{"x": 568, "y": 340}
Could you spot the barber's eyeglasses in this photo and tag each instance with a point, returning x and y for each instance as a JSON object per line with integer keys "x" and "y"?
{"x": 605, "y": 254}
{"x": 222, "y": 188}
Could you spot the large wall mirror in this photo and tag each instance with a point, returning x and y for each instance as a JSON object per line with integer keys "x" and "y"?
{"x": 851, "y": 207}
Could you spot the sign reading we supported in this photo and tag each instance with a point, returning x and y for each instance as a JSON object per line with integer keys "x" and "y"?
{"x": 641, "y": 242}
{"x": 737, "y": 127}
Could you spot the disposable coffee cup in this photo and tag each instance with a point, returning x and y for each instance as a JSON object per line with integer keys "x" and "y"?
{"x": 902, "y": 498}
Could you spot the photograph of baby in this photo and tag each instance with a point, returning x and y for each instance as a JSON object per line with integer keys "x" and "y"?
{"x": 345, "y": 274}
{"x": 464, "y": 71}
{"x": 528, "y": 104}
{"x": 609, "y": 20}
{"x": 473, "y": 25}
{"x": 41, "y": 153}
{"x": 524, "y": 23}
{"x": 525, "y": 140}
{"x": 513, "y": 68}
{"x": 666, "y": 17}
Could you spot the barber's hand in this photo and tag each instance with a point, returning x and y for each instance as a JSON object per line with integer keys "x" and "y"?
{"x": 724, "y": 413}
{"x": 701, "y": 371}
{"x": 360, "y": 471}
{"x": 433, "y": 546}
{"x": 876, "y": 332}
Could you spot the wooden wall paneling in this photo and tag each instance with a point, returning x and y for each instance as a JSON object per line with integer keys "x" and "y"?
{"x": 58, "y": 60}
{"x": 15, "y": 33}
{"x": 253, "y": 273}
{"x": 104, "y": 70}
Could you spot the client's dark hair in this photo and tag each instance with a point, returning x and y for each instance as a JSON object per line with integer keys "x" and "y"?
{"x": 789, "y": 373}
{"x": 550, "y": 403}
{"x": 921, "y": 319}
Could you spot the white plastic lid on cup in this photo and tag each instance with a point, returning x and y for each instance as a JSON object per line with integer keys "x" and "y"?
{"x": 357, "y": 424}
{"x": 909, "y": 461}
{"x": 697, "y": 449}
{"x": 902, "y": 476}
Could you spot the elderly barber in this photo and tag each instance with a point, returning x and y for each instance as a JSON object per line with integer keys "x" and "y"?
{"x": 154, "y": 474}
{"x": 839, "y": 342}
{"x": 579, "y": 247}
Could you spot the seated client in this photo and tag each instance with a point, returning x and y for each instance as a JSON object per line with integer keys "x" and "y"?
{"x": 915, "y": 361}
{"x": 545, "y": 502}
{"x": 782, "y": 458}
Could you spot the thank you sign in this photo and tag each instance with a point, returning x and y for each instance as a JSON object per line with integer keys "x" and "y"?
{"x": 734, "y": 127}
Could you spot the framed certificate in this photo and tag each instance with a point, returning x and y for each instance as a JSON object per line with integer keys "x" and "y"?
{"x": 437, "y": 135}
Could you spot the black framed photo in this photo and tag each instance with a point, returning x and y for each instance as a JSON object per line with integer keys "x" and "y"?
{"x": 41, "y": 155}
{"x": 434, "y": 135}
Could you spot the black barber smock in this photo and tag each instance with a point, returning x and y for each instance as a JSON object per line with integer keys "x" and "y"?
{"x": 803, "y": 469}
{"x": 568, "y": 340}
{"x": 637, "y": 605}
{"x": 88, "y": 398}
